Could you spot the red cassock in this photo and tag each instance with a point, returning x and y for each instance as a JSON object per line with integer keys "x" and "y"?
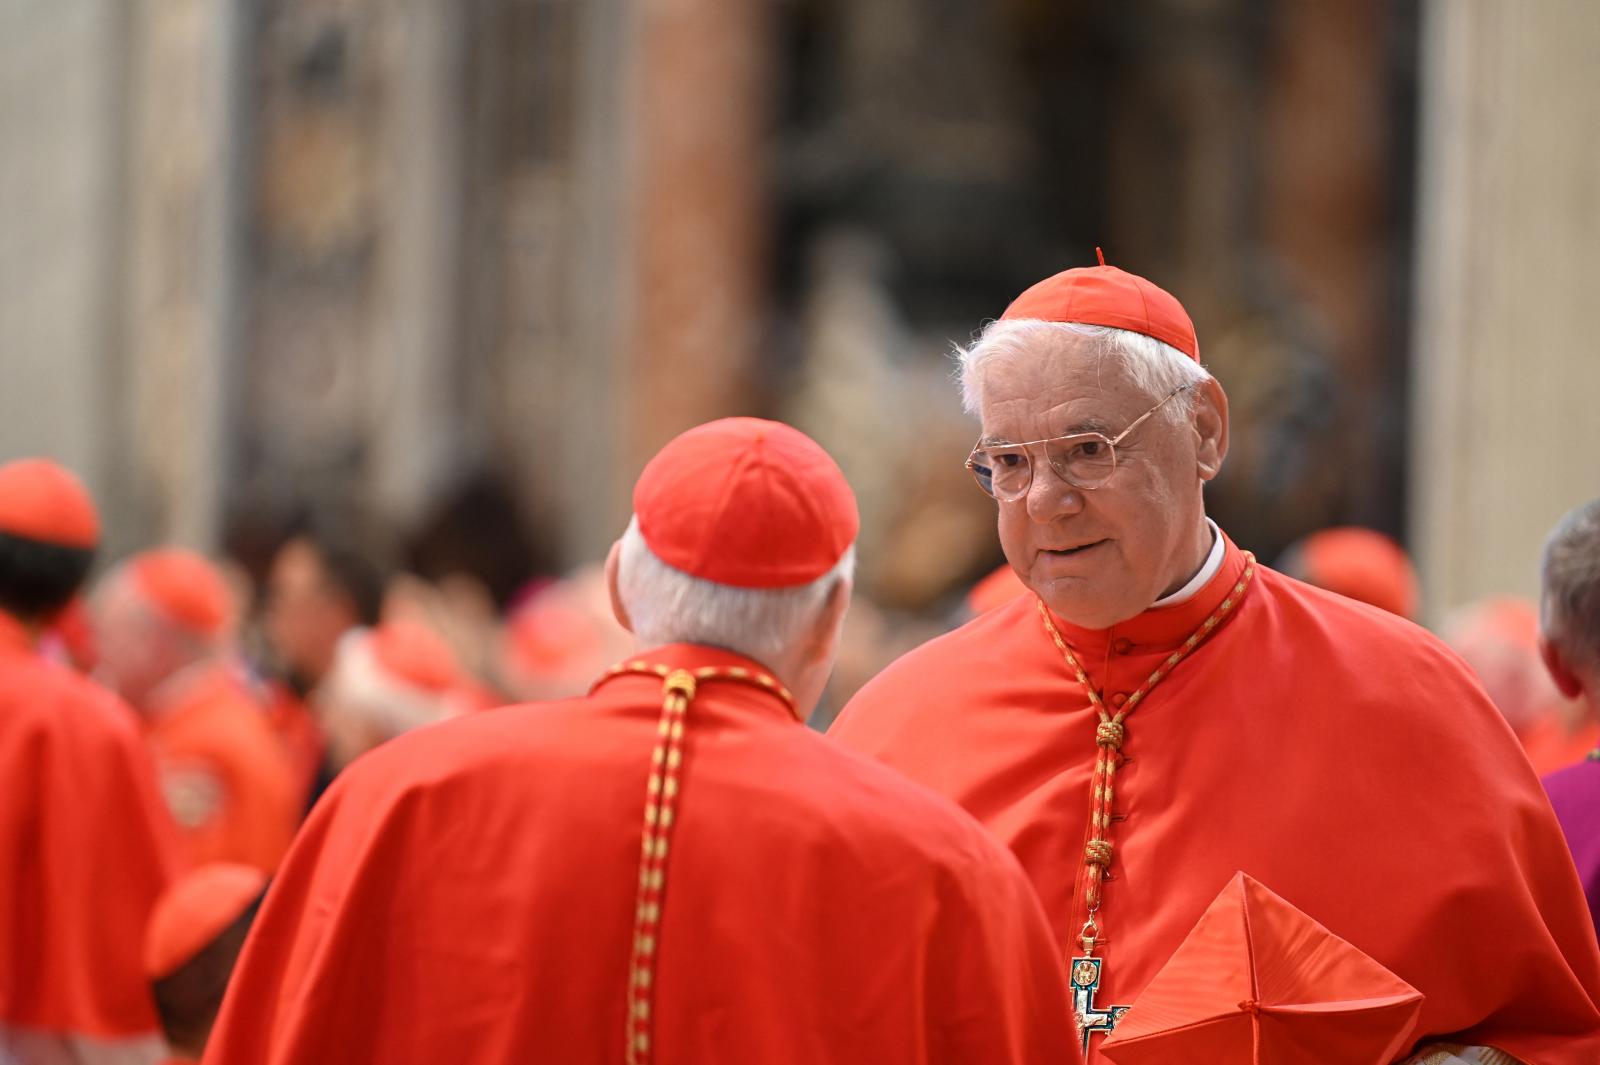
{"x": 85, "y": 850}
{"x": 469, "y": 893}
{"x": 1339, "y": 755}
{"x": 229, "y": 781}
{"x": 301, "y": 735}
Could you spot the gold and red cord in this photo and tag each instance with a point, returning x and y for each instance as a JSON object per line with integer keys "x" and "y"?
{"x": 660, "y": 814}
{"x": 1110, "y": 734}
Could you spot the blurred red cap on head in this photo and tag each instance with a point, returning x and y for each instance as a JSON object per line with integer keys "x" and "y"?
{"x": 1105, "y": 295}
{"x": 1259, "y": 981}
{"x": 186, "y": 587}
{"x": 415, "y": 655}
{"x": 748, "y": 503}
{"x": 547, "y": 635}
{"x": 44, "y": 501}
{"x": 194, "y": 911}
{"x": 1361, "y": 564}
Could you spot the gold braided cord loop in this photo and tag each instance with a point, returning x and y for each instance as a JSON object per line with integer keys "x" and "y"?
{"x": 662, "y": 787}
{"x": 1110, "y": 734}
{"x": 679, "y": 682}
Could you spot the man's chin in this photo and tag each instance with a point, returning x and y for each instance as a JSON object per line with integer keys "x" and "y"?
{"x": 1073, "y": 600}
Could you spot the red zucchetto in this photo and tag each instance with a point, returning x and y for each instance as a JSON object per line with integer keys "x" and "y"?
{"x": 1104, "y": 295}
{"x": 43, "y": 501}
{"x": 746, "y": 502}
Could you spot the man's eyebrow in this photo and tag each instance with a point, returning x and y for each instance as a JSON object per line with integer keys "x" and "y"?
{"x": 1086, "y": 425}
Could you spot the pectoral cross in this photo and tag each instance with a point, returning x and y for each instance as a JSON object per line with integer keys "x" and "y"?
{"x": 1085, "y": 975}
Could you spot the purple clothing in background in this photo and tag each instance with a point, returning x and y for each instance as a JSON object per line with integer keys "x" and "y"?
{"x": 1575, "y": 794}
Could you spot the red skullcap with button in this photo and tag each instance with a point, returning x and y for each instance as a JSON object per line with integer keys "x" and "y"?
{"x": 1104, "y": 295}
{"x": 193, "y": 912}
{"x": 185, "y": 587}
{"x": 748, "y": 503}
{"x": 415, "y": 655}
{"x": 1361, "y": 564}
{"x": 43, "y": 501}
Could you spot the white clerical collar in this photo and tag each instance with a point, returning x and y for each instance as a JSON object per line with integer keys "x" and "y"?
{"x": 1199, "y": 580}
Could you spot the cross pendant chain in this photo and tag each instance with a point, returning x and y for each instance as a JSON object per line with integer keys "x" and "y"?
{"x": 1085, "y": 976}
{"x": 1110, "y": 733}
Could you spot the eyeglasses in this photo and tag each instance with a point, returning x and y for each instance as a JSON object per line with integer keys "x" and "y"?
{"x": 1084, "y": 460}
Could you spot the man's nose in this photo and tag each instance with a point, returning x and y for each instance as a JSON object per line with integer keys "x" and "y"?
{"x": 1049, "y": 496}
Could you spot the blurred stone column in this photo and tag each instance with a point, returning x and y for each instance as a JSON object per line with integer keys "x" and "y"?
{"x": 172, "y": 414}
{"x": 702, "y": 104}
{"x": 1506, "y": 427}
{"x": 412, "y": 414}
{"x": 61, "y": 118}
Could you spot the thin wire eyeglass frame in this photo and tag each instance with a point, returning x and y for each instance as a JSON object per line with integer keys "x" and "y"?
{"x": 973, "y": 466}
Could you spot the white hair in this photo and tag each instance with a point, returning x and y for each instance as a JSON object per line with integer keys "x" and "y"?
{"x": 1569, "y": 607}
{"x": 359, "y": 686}
{"x": 1155, "y": 367}
{"x": 666, "y": 605}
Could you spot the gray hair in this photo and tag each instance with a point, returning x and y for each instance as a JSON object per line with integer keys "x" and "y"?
{"x": 1569, "y": 608}
{"x": 1155, "y": 367}
{"x": 666, "y": 605}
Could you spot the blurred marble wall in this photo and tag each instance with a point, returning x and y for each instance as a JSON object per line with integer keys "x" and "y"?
{"x": 1506, "y": 427}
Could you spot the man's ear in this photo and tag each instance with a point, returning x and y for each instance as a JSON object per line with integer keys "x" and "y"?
{"x": 1567, "y": 681}
{"x": 613, "y": 565}
{"x": 1211, "y": 428}
{"x": 825, "y": 630}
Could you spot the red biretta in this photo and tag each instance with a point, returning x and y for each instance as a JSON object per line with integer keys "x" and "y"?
{"x": 191, "y": 945}
{"x": 1257, "y": 982}
{"x": 672, "y": 869}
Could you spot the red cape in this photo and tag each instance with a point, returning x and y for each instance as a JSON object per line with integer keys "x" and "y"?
{"x": 1338, "y": 754}
{"x": 85, "y": 849}
{"x": 229, "y": 780}
{"x": 467, "y": 893}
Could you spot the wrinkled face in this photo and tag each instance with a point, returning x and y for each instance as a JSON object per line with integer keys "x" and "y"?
{"x": 137, "y": 649}
{"x": 305, "y": 615}
{"x": 1100, "y": 557}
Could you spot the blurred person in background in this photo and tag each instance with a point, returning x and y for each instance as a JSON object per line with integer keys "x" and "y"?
{"x": 191, "y": 945}
{"x": 386, "y": 681}
{"x": 559, "y": 639}
{"x": 69, "y": 639}
{"x": 85, "y": 844}
{"x": 1357, "y": 563}
{"x": 672, "y": 868}
{"x": 1499, "y": 639}
{"x": 165, "y": 623}
{"x": 995, "y": 590}
{"x": 472, "y": 557}
{"x": 1569, "y": 641}
{"x": 319, "y": 588}
{"x": 1281, "y": 730}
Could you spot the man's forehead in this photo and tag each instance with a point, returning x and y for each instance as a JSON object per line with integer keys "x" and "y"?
{"x": 1064, "y": 425}
{"x": 1058, "y": 408}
